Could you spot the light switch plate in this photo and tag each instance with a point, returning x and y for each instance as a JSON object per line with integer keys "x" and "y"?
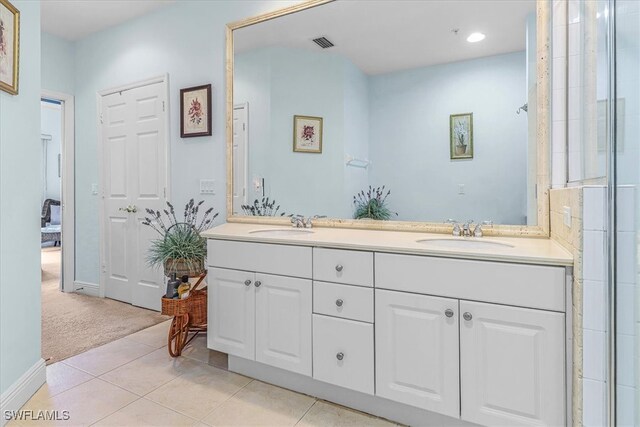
{"x": 207, "y": 186}
{"x": 566, "y": 214}
{"x": 94, "y": 189}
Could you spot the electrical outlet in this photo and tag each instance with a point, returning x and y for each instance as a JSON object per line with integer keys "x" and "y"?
{"x": 566, "y": 214}
{"x": 94, "y": 189}
{"x": 207, "y": 186}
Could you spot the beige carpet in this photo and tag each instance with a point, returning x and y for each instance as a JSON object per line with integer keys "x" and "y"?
{"x": 73, "y": 323}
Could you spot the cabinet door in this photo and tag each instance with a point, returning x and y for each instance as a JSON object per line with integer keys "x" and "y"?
{"x": 512, "y": 365}
{"x": 231, "y": 312}
{"x": 283, "y": 322}
{"x": 417, "y": 357}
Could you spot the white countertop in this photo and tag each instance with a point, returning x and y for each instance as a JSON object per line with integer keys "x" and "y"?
{"x": 524, "y": 249}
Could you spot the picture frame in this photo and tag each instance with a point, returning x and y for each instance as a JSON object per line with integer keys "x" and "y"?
{"x": 461, "y": 136}
{"x": 307, "y": 134}
{"x": 195, "y": 111}
{"x": 9, "y": 47}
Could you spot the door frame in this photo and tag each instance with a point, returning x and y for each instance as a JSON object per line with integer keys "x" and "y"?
{"x": 68, "y": 193}
{"x": 245, "y": 107}
{"x": 164, "y": 79}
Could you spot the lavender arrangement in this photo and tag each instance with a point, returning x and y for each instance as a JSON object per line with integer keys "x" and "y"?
{"x": 372, "y": 204}
{"x": 180, "y": 241}
{"x": 263, "y": 207}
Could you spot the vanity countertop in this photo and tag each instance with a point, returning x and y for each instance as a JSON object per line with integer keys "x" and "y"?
{"x": 521, "y": 249}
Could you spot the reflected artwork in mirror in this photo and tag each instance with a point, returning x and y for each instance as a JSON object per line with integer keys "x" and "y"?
{"x": 412, "y": 110}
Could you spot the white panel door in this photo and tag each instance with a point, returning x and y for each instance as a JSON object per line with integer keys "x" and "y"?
{"x": 231, "y": 312}
{"x": 512, "y": 365}
{"x": 240, "y": 156}
{"x": 134, "y": 165}
{"x": 283, "y": 322}
{"x": 417, "y": 358}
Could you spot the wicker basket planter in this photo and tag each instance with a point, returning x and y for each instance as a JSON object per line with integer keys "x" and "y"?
{"x": 183, "y": 267}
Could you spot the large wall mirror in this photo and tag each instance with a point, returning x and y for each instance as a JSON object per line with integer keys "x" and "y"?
{"x": 392, "y": 114}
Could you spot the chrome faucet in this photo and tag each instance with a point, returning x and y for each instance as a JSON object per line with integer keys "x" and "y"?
{"x": 466, "y": 228}
{"x": 477, "y": 231}
{"x": 456, "y": 227}
{"x": 299, "y": 221}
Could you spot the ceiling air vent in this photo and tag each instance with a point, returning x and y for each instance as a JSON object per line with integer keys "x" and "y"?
{"x": 323, "y": 42}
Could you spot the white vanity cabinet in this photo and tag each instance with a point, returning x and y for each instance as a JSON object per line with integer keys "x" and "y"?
{"x": 259, "y": 316}
{"x": 415, "y": 338}
{"x": 417, "y": 351}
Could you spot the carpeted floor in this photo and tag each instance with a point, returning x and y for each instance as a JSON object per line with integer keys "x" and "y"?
{"x": 73, "y": 323}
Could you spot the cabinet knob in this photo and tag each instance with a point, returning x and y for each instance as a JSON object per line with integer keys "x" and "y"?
{"x": 247, "y": 282}
{"x": 339, "y": 268}
{"x": 448, "y": 312}
{"x": 340, "y": 356}
{"x": 339, "y": 302}
{"x": 467, "y": 316}
{"x": 258, "y": 283}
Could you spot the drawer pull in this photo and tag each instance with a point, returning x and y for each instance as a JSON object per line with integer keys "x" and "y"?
{"x": 467, "y": 316}
{"x": 339, "y": 302}
{"x": 258, "y": 283}
{"x": 339, "y": 268}
{"x": 247, "y": 282}
{"x": 340, "y": 356}
{"x": 448, "y": 312}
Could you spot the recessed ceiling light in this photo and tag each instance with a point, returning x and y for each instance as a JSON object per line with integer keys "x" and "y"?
{"x": 475, "y": 37}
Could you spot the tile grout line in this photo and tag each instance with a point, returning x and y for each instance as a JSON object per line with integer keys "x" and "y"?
{"x": 316, "y": 400}
{"x": 226, "y": 400}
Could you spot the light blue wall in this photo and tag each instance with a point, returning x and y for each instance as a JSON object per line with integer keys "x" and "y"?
{"x": 186, "y": 40}
{"x": 58, "y": 64}
{"x": 20, "y": 179}
{"x": 410, "y": 140}
{"x": 271, "y": 82}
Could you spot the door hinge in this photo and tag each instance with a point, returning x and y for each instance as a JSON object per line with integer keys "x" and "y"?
{"x": 244, "y": 126}
{"x": 162, "y": 105}
{"x": 101, "y": 119}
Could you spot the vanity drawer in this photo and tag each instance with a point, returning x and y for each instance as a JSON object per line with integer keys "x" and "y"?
{"x": 521, "y": 285}
{"x": 349, "y": 302}
{"x": 282, "y": 260}
{"x": 343, "y": 353}
{"x": 341, "y": 266}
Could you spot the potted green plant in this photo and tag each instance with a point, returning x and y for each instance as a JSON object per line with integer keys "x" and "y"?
{"x": 181, "y": 250}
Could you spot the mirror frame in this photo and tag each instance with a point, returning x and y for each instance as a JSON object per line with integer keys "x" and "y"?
{"x": 543, "y": 136}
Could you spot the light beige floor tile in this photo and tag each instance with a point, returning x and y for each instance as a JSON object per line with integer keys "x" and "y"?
{"x": 149, "y": 372}
{"x": 86, "y": 403}
{"x": 325, "y": 414}
{"x": 197, "y": 349}
{"x": 199, "y": 391}
{"x": 155, "y": 336}
{"x": 61, "y": 377}
{"x": 143, "y": 412}
{"x": 103, "y": 359}
{"x": 261, "y": 404}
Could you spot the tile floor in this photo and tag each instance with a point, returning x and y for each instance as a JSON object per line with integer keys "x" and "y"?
{"x": 134, "y": 382}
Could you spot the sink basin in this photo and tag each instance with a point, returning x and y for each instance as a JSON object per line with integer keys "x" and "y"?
{"x": 462, "y": 243}
{"x": 282, "y": 232}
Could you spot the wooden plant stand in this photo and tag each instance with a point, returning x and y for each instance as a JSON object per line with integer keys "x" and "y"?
{"x": 189, "y": 317}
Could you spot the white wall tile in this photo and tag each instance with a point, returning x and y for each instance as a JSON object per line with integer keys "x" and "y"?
{"x": 625, "y": 305}
{"x": 593, "y": 208}
{"x": 626, "y": 207}
{"x": 626, "y": 256}
{"x": 559, "y": 12}
{"x": 559, "y": 107}
{"x": 626, "y": 357}
{"x": 559, "y": 72}
{"x": 574, "y": 33}
{"x": 594, "y": 306}
{"x": 627, "y": 400}
{"x": 574, "y": 110}
{"x": 559, "y": 41}
{"x": 558, "y": 169}
{"x": 593, "y": 403}
{"x": 594, "y": 255}
{"x": 574, "y": 70}
{"x": 594, "y": 347}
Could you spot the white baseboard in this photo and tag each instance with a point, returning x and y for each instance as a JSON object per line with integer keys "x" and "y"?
{"x": 86, "y": 288}
{"x": 21, "y": 391}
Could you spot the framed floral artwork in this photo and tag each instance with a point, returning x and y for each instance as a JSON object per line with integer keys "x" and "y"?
{"x": 195, "y": 111}
{"x": 307, "y": 134}
{"x": 9, "y": 47}
{"x": 461, "y": 136}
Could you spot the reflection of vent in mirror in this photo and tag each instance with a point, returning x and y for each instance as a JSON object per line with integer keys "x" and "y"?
{"x": 323, "y": 42}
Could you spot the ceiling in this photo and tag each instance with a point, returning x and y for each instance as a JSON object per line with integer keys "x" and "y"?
{"x": 75, "y": 19}
{"x": 390, "y": 35}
